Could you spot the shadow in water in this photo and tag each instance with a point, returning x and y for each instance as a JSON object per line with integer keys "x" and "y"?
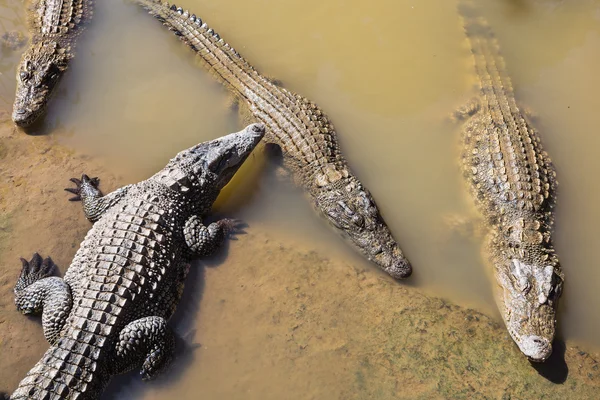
{"x": 555, "y": 369}
{"x": 130, "y": 385}
{"x": 40, "y": 127}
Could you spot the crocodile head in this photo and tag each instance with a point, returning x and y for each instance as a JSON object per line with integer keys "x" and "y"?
{"x": 530, "y": 283}
{"x": 351, "y": 209}
{"x": 40, "y": 69}
{"x": 207, "y": 167}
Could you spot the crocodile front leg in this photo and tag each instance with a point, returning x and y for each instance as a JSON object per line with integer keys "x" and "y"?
{"x": 94, "y": 202}
{"x": 467, "y": 110}
{"x": 38, "y": 291}
{"x": 205, "y": 240}
{"x": 148, "y": 341}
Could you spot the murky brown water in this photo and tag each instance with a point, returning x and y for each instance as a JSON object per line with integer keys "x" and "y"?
{"x": 387, "y": 73}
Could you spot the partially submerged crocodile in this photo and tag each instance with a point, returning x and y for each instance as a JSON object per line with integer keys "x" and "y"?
{"x": 514, "y": 184}
{"x": 54, "y": 26}
{"x": 12, "y": 40}
{"x": 305, "y": 135}
{"x": 109, "y": 314}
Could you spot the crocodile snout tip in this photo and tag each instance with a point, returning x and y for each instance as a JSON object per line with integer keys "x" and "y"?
{"x": 21, "y": 117}
{"x": 400, "y": 270}
{"x": 258, "y": 129}
{"x": 254, "y": 133}
{"x": 536, "y": 348}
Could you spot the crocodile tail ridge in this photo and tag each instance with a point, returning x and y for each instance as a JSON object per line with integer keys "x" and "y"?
{"x": 489, "y": 62}
{"x": 66, "y": 370}
{"x": 220, "y": 57}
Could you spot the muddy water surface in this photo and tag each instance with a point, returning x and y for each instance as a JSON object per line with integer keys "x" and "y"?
{"x": 278, "y": 320}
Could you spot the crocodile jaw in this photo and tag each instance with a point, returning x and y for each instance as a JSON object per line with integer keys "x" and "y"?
{"x": 352, "y": 211}
{"x": 38, "y": 73}
{"x": 207, "y": 167}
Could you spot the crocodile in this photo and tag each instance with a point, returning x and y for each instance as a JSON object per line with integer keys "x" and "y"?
{"x": 301, "y": 133}
{"x": 513, "y": 183}
{"x": 13, "y": 40}
{"x": 54, "y": 26}
{"x": 109, "y": 314}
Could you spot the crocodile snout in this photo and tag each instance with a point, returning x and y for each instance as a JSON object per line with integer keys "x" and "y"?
{"x": 536, "y": 348}
{"x": 21, "y": 117}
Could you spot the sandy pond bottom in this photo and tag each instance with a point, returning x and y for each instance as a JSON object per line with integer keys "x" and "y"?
{"x": 273, "y": 320}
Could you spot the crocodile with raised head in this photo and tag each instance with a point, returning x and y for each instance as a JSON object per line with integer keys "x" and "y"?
{"x": 514, "y": 184}
{"x": 304, "y": 134}
{"x": 54, "y": 26}
{"x": 109, "y": 314}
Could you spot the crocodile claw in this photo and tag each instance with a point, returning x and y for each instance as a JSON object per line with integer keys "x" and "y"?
{"x": 232, "y": 226}
{"x": 34, "y": 270}
{"x": 78, "y": 182}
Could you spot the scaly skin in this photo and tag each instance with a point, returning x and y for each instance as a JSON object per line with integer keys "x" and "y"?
{"x": 109, "y": 314}
{"x": 305, "y": 135}
{"x": 54, "y": 26}
{"x": 514, "y": 184}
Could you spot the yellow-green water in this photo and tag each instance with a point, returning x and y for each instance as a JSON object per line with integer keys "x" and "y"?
{"x": 387, "y": 73}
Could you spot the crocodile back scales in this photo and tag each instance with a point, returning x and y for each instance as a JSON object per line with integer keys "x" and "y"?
{"x": 506, "y": 161}
{"x": 58, "y": 18}
{"x": 123, "y": 271}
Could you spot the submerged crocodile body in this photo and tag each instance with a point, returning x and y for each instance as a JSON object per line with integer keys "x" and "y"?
{"x": 306, "y": 137}
{"x": 514, "y": 184}
{"x": 109, "y": 314}
{"x": 54, "y": 27}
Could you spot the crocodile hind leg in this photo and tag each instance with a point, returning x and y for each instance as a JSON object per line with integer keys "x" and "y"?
{"x": 466, "y": 111}
{"x": 37, "y": 290}
{"x": 148, "y": 341}
{"x": 94, "y": 202}
{"x": 471, "y": 227}
{"x": 205, "y": 240}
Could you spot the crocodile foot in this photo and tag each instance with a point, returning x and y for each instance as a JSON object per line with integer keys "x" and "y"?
{"x": 232, "y": 226}
{"x": 464, "y": 226}
{"x": 465, "y": 112}
{"x": 81, "y": 185}
{"x": 185, "y": 345}
{"x": 34, "y": 270}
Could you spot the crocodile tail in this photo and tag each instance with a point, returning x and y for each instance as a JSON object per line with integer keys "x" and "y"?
{"x": 66, "y": 370}
{"x": 489, "y": 63}
{"x": 222, "y": 60}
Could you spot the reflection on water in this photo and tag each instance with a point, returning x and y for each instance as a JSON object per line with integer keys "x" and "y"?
{"x": 387, "y": 73}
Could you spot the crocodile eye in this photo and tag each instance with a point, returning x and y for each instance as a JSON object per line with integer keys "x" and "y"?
{"x": 24, "y": 75}
{"x": 555, "y": 293}
{"x": 52, "y": 72}
{"x": 358, "y": 220}
{"x": 368, "y": 207}
{"x": 522, "y": 284}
